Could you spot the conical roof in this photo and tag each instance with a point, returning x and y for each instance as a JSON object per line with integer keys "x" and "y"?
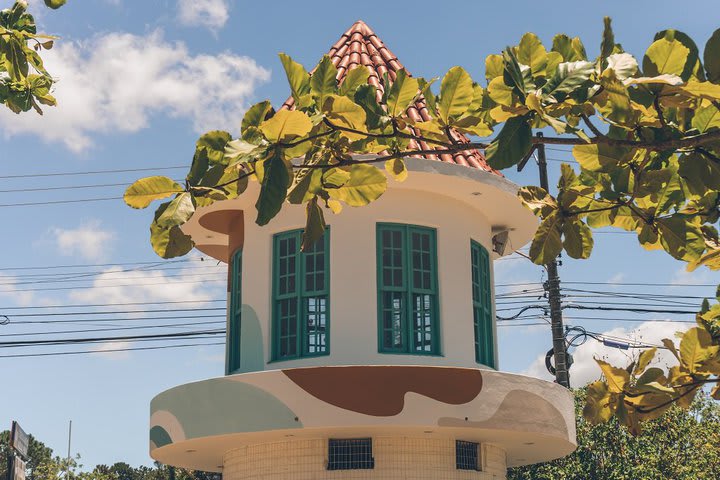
{"x": 361, "y": 46}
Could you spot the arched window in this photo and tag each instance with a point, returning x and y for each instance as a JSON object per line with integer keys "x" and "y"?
{"x": 301, "y": 296}
{"x": 232, "y": 362}
{"x": 482, "y": 305}
{"x": 407, "y": 290}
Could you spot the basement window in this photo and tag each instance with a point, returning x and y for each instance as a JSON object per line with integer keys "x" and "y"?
{"x": 466, "y": 455}
{"x": 350, "y": 454}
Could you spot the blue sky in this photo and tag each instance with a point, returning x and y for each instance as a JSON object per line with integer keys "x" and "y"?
{"x": 138, "y": 82}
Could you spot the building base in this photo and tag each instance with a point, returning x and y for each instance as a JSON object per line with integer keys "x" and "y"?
{"x": 394, "y": 458}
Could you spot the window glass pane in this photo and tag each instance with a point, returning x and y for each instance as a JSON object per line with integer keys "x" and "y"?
{"x": 422, "y": 323}
{"x": 466, "y": 455}
{"x": 287, "y": 321}
{"x": 392, "y": 313}
{"x": 316, "y": 325}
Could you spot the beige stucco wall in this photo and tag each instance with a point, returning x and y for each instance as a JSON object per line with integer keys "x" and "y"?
{"x": 395, "y": 458}
{"x": 353, "y": 286}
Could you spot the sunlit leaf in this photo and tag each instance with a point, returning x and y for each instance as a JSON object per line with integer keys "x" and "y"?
{"x": 615, "y": 377}
{"x": 456, "y": 94}
{"x": 178, "y": 211}
{"x": 142, "y": 192}
{"x": 366, "y": 184}
{"x": 286, "y": 125}
{"x": 401, "y": 93}
{"x": 273, "y": 189}
{"x": 546, "y": 244}
{"x": 314, "y": 226}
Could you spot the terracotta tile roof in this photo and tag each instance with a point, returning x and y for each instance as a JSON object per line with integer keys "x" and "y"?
{"x": 361, "y": 46}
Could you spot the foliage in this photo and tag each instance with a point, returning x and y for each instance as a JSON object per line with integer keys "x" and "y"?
{"x": 42, "y": 465}
{"x": 640, "y": 393}
{"x": 682, "y": 445}
{"x": 652, "y": 169}
{"x": 24, "y": 82}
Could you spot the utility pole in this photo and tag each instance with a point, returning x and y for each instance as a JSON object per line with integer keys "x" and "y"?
{"x": 552, "y": 285}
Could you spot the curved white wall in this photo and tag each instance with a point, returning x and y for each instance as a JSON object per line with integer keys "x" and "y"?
{"x": 353, "y": 294}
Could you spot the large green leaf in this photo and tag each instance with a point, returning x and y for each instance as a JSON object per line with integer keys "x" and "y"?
{"x": 456, "y": 94}
{"x": 537, "y": 200}
{"x": 214, "y": 143}
{"x": 600, "y": 157}
{"x": 665, "y": 57}
{"x": 353, "y": 79}
{"x": 55, "y": 4}
{"x": 616, "y": 378}
{"x": 513, "y": 75}
{"x": 177, "y": 212}
{"x": 249, "y": 128}
{"x": 286, "y": 125}
{"x": 142, "y": 192}
{"x": 314, "y": 225}
{"x": 607, "y": 45}
{"x": 401, "y": 93}
{"x": 365, "y": 185}
{"x": 346, "y": 113}
{"x": 568, "y": 77}
{"x": 273, "y": 189}
{"x": 169, "y": 242}
{"x": 577, "y": 239}
{"x": 532, "y": 53}
{"x": 696, "y": 347}
{"x": 493, "y": 66}
{"x": 681, "y": 239}
{"x": 512, "y": 144}
{"x": 298, "y": 77}
{"x": 706, "y": 117}
{"x": 692, "y": 64}
{"x": 571, "y": 49}
{"x": 546, "y": 245}
{"x": 711, "y": 56}
{"x": 323, "y": 80}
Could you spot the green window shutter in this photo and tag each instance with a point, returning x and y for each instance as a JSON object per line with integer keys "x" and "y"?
{"x": 482, "y": 305}
{"x": 301, "y": 297}
{"x": 407, "y": 290}
{"x": 232, "y": 361}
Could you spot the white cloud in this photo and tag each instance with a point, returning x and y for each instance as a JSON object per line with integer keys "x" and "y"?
{"x": 118, "y": 81}
{"x": 134, "y": 286}
{"x": 584, "y": 368}
{"x": 108, "y": 350}
{"x": 206, "y": 13}
{"x": 10, "y": 290}
{"x": 683, "y": 277}
{"x": 89, "y": 240}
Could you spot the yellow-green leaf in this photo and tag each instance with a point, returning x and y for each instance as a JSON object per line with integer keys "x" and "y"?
{"x": 546, "y": 244}
{"x": 249, "y": 127}
{"x": 323, "y": 80}
{"x": 456, "y": 94}
{"x": 314, "y": 225}
{"x": 353, "y": 79}
{"x": 286, "y": 125}
{"x": 141, "y": 193}
{"x": 365, "y": 185}
{"x": 177, "y": 212}
{"x": 344, "y": 112}
{"x": 696, "y": 347}
{"x": 665, "y": 56}
{"x": 646, "y": 356}
{"x": 706, "y": 117}
{"x": 298, "y": 77}
{"x": 532, "y": 53}
{"x": 493, "y": 66}
{"x": 273, "y": 189}
{"x": 401, "y": 93}
{"x": 600, "y": 157}
{"x": 577, "y": 239}
{"x": 615, "y": 377}
{"x": 396, "y": 167}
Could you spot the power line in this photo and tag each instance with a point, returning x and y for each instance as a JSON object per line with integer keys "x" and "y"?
{"x": 82, "y": 265}
{"x": 92, "y": 305}
{"x": 132, "y": 319}
{"x": 136, "y": 338}
{"x": 111, "y": 329}
{"x": 95, "y": 172}
{"x": 62, "y": 314}
{"x": 159, "y": 347}
{"x": 58, "y": 202}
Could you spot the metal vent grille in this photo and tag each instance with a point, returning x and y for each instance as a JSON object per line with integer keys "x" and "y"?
{"x": 350, "y": 454}
{"x": 466, "y": 455}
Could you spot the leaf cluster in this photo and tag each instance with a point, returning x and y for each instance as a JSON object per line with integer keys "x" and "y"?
{"x": 24, "y": 82}
{"x": 642, "y": 392}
